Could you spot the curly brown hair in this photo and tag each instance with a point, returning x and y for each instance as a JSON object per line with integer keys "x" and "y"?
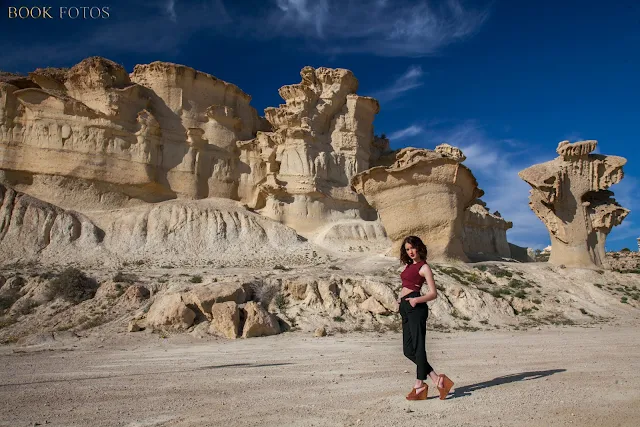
{"x": 416, "y": 242}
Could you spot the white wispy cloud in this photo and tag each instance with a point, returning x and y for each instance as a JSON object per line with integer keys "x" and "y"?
{"x": 332, "y": 27}
{"x": 495, "y": 163}
{"x": 410, "y": 79}
{"x": 407, "y": 132}
{"x": 397, "y": 28}
{"x": 170, "y": 8}
{"x": 305, "y": 13}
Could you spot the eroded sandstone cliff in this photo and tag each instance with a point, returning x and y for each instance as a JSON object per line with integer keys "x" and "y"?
{"x": 299, "y": 173}
{"x": 165, "y": 131}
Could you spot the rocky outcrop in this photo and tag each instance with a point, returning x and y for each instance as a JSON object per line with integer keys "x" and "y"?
{"x": 225, "y": 320}
{"x": 299, "y": 173}
{"x": 198, "y": 230}
{"x": 132, "y": 151}
{"x": 570, "y": 197}
{"x": 259, "y": 322}
{"x": 485, "y": 234}
{"x": 171, "y": 231}
{"x": 424, "y": 193}
{"x": 170, "y": 312}
{"x": 166, "y": 131}
{"x": 31, "y": 228}
{"x": 204, "y": 297}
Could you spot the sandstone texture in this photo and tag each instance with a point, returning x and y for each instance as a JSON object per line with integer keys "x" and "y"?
{"x": 425, "y": 193}
{"x": 569, "y": 194}
{"x": 299, "y": 173}
{"x": 165, "y": 131}
{"x": 169, "y": 163}
{"x": 485, "y": 233}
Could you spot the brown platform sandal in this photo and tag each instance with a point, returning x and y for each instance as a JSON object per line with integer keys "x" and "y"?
{"x": 418, "y": 396}
{"x": 446, "y": 386}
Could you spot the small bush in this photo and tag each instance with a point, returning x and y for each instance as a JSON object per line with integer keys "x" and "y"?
{"x": 196, "y": 279}
{"x": 481, "y": 267}
{"x": 625, "y": 250}
{"x": 7, "y": 301}
{"x": 338, "y": 319}
{"x": 473, "y": 278}
{"x": 519, "y": 284}
{"x": 583, "y": 311}
{"x": 520, "y": 294}
{"x": 623, "y": 300}
{"x": 7, "y": 321}
{"x": 536, "y": 301}
{"x": 496, "y": 293}
{"x": 280, "y": 267}
{"x": 72, "y": 285}
{"x": 121, "y": 277}
{"x": 499, "y": 272}
{"x": 281, "y": 301}
{"x": 263, "y": 292}
{"x": 334, "y": 267}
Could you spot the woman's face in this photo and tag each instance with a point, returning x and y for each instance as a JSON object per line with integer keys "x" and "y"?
{"x": 411, "y": 251}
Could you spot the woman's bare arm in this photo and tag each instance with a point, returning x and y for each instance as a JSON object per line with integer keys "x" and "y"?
{"x": 432, "y": 292}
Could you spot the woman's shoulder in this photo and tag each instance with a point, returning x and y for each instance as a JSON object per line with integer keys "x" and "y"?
{"x": 425, "y": 266}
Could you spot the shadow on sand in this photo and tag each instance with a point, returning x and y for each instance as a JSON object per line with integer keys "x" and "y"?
{"x": 523, "y": 376}
{"x": 178, "y": 371}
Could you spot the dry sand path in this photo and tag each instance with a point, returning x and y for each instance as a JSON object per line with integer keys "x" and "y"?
{"x": 559, "y": 376}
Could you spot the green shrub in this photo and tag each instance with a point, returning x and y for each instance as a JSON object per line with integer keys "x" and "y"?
{"x": 499, "y": 272}
{"x": 72, "y": 285}
{"x": 473, "y": 278}
{"x": 196, "y": 279}
{"x": 6, "y": 301}
{"x": 281, "y": 301}
{"x": 338, "y": 319}
{"x": 519, "y": 284}
{"x": 121, "y": 277}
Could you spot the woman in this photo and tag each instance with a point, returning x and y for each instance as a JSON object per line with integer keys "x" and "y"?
{"x": 414, "y": 312}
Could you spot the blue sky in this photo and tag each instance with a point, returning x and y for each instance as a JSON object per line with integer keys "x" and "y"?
{"x": 503, "y": 80}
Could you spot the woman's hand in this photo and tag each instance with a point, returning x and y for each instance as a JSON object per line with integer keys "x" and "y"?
{"x": 412, "y": 301}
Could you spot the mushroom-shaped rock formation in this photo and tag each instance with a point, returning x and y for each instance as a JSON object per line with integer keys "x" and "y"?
{"x": 424, "y": 193}
{"x": 300, "y": 173}
{"x": 570, "y": 196}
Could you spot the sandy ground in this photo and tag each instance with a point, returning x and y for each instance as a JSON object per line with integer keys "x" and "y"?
{"x": 554, "y": 376}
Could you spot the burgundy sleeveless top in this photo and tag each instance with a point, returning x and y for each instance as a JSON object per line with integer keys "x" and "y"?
{"x": 411, "y": 279}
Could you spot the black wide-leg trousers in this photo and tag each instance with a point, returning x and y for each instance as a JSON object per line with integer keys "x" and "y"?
{"x": 414, "y": 331}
